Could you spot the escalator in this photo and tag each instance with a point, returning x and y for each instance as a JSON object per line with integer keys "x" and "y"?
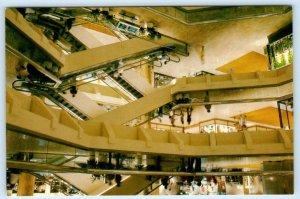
{"x": 62, "y": 102}
{"x": 123, "y": 83}
{"x": 73, "y": 105}
{"x": 61, "y": 69}
{"x": 59, "y": 160}
{"x": 77, "y": 63}
{"x": 84, "y": 183}
{"x": 138, "y": 81}
{"x": 130, "y": 186}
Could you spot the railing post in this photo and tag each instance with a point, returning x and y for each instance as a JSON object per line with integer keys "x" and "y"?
{"x": 279, "y": 112}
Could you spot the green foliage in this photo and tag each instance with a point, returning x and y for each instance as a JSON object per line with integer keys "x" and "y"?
{"x": 290, "y": 57}
{"x": 282, "y": 60}
{"x": 278, "y": 48}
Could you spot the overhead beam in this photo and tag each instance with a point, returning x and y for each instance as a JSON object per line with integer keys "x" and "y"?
{"x": 213, "y": 14}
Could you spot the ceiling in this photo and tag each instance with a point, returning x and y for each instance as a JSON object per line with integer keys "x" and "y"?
{"x": 269, "y": 115}
{"x": 250, "y": 62}
{"x": 193, "y": 7}
{"x": 223, "y": 41}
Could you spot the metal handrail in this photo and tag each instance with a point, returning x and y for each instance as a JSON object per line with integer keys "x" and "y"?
{"x": 53, "y": 168}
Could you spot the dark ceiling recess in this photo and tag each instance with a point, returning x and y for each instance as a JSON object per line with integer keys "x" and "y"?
{"x": 288, "y": 29}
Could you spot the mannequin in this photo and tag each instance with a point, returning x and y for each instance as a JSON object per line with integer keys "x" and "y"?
{"x": 203, "y": 187}
{"x": 212, "y": 187}
{"x": 221, "y": 186}
{"x": 195, "y": 189}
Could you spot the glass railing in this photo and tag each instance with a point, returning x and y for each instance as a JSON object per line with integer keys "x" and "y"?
{"x": 209, "y": 126}
{"x": 31, "y": 149}
{"x": 148, "y": 117}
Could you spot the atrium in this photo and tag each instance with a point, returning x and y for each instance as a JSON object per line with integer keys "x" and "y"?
{"x": 149, "y": 100}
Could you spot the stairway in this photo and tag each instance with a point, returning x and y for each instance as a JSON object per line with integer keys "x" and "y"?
{"x": 84, "y": 183}
{"x": 124, "y": 84}
{"x": 67, "y": 102}
{"x": 133, "y": 185}
{"x": 59, "y": 159}
{"x": 64, "y": 104}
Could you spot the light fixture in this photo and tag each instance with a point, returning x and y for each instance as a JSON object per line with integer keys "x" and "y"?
{"x": 171, "y": 113}
{"x": 121, "y": 63}
{"x": 145, "y": 25}
{"x": 206, "y": 99}
{"x": 120, "y": 67}
{"x": 120, "y": 71}
{"x": 202, "y": 55}
{"x": 164, "y": 58}
{"x": 116, "y": 74}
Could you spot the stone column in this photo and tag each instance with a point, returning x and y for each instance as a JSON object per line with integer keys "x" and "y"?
{"x": 26, "y": 185}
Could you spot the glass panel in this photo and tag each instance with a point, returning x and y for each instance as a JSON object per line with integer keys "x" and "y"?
{"x": 21, "y": 143}
{"x": 38, "y": 157}
{"x": 60, "y": 149}
{"x": 162, "y": 80}
{"x": 81, "y": 152}
{"x": 122, "y": 26}
{"x": 132, "y": 29}
{"x": 58, "y": 159}
{"x": 15, "y": 142}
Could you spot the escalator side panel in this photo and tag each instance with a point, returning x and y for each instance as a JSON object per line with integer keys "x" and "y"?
{"x": 137, "y": 108}
{"x": 88, "y": 59}
{"x": 130, "y": 186}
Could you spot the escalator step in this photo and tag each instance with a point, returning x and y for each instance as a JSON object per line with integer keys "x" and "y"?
{"x": 65, "y": 103}
{"x": 131, "y": 89}
{"x": 73, "y": 109}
